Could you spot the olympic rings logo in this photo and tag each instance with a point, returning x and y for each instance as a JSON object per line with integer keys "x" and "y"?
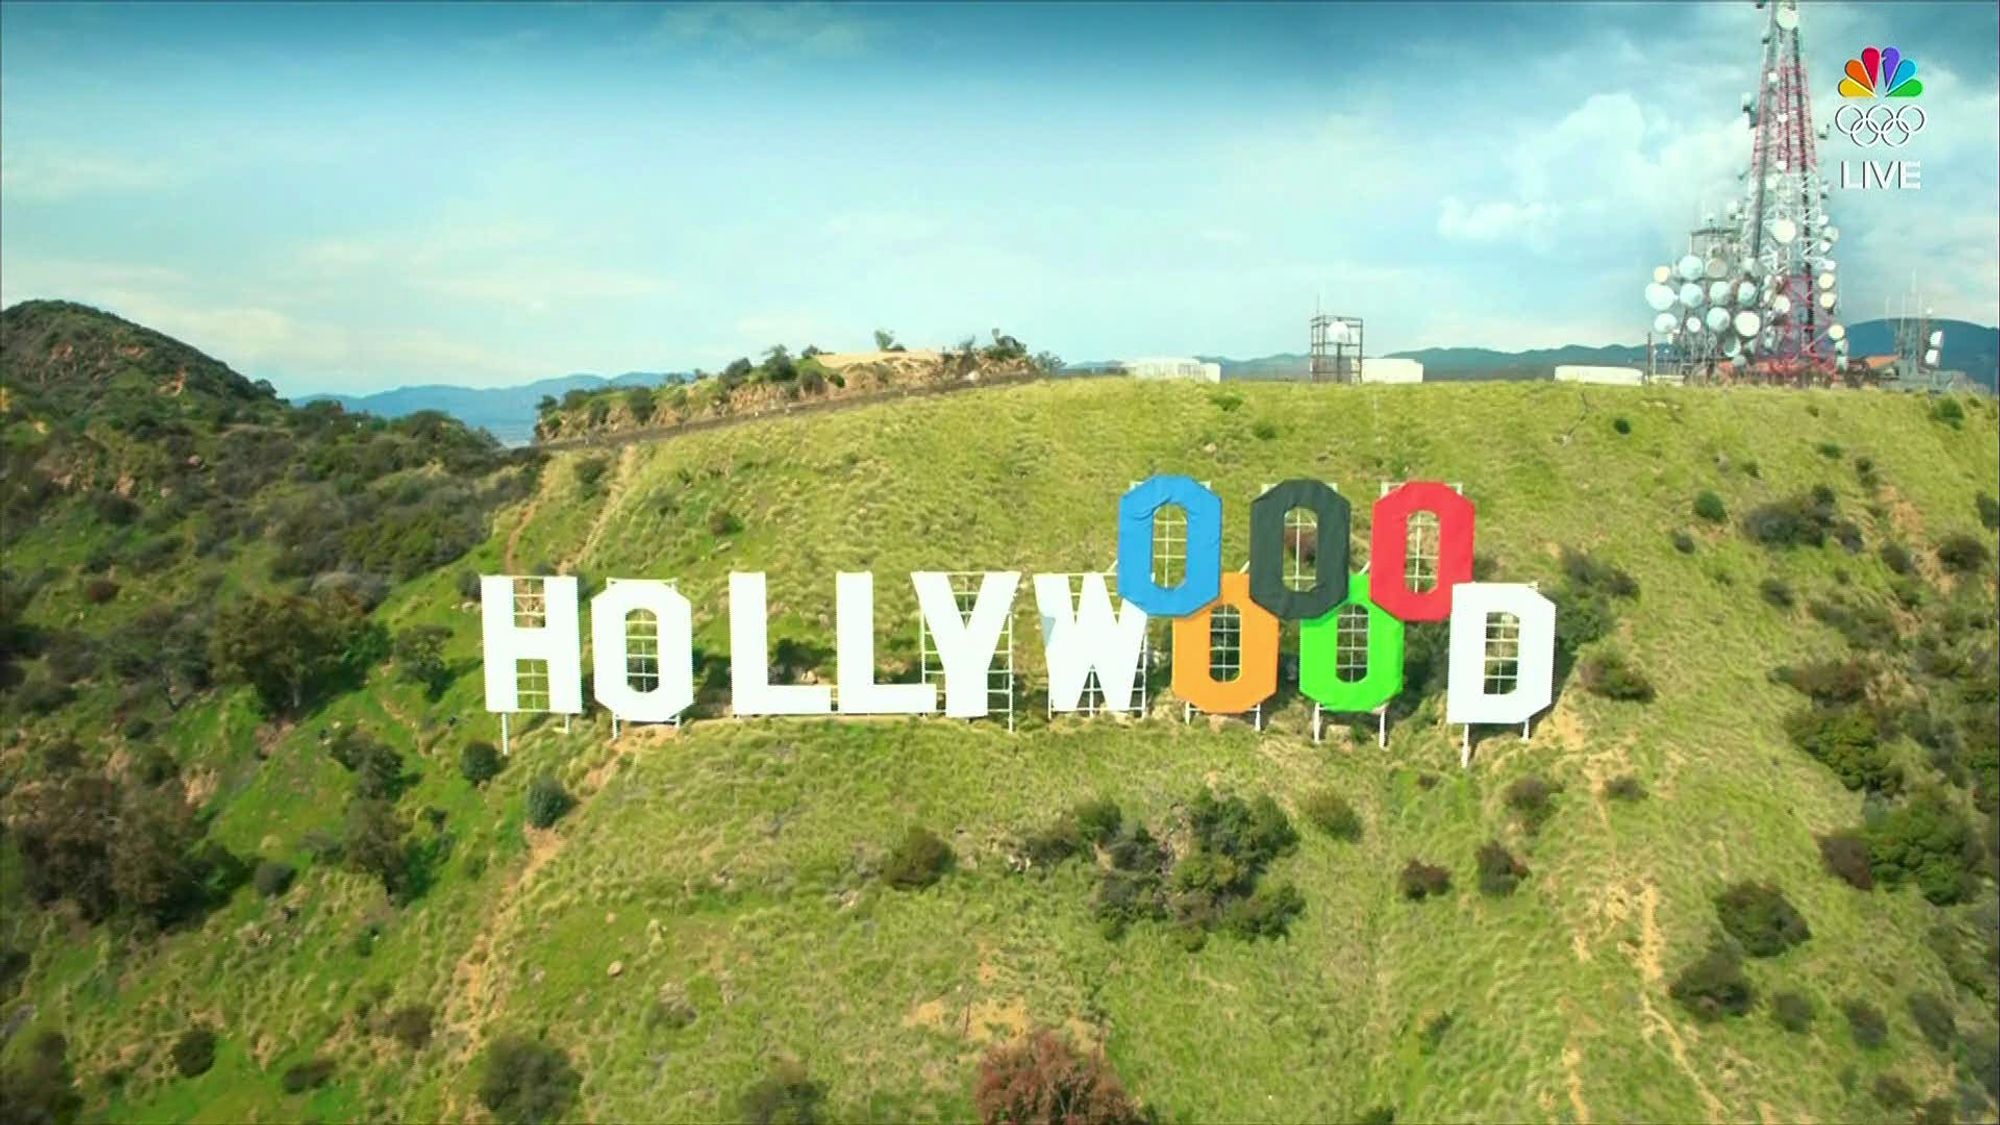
{"x": 1879, "y": 124}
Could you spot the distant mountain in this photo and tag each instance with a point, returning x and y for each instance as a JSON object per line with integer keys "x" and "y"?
{"x": 508, "y": 413}
{"x": 1971, "y": 348}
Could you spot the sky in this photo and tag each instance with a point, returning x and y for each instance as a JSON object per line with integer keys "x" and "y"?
{"x": 348, "y": 198}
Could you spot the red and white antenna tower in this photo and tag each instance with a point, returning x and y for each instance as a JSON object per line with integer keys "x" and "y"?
{"x": 1756, "y": 298}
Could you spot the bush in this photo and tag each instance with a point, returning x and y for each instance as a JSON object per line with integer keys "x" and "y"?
{"x": 1625, "y": 788}
{"x": 1928, "y": 841}
{"x": 273, "y": 878}
{"x": 1793, "y": 522}
{"x": 479, "y": 762}
{"x": 1893, "y": 1093}
{"x": 722, "y": 521}
{"x": 1761, "y": 918}
{"x": 1776, "y": 593}
{"x": 1499, "y": 871}
{"x": 1948, "y": 411}
{"x": 1420, "y": 881}
{"x": 39, "y": 1086}
{"x": 308, "y": 1075}
{"x": 1329, "y": 812}
{"x": 1989, "y": 510}
{"x": 548, "y": 801}
{"x": 1714, "y": 986}
{"x": 1846, "y": 740}
{"x": 1897, "y": 558}
{"x": 1041, "y": 1080}
{"x": 1866, "y": 1021}
{"x": 1793, "y": 1011}
{"x": 527, "y": 1081}
{"x": 1622, "y": 424}
{"x": 1586, "y": 573}
{"x": 410, "y": 1025}
{"x": 1683, "y": 542}
{"x": 1828, "y": 681}
{"x": 1612, "y": 675}
{"x": 1264, "y": 430}
{"x": 918, "y": 860}
{"x": 784, "y": 1097}
{"x": 1934, "y": 1019}
{"x": 1846, "y": 857}
{"x": 1098, "y": 820}
{"x": 376, "y": 766}
{"x": 1960, "y": 553}
{"x": 1709, "y": 506}
{"x": 98, "y": 591}
{"x": 1829, "y": 450}
{"x": 1532, "y": 799}
{"x": 194, "y": 1051}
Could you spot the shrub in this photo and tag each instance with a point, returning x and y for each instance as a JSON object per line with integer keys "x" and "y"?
{"x": 1897, "y": 558}
{"x": 376, "y": 766}
{"x": 1776, "y": 593}
{"x": 784, "y": 1097}
{"x": 1499, "y": 871}
{"x": 98, "y": 591}
{"x": 308, "y": 1075}
{"x": 1264, "y": 430}
{"x": 1714, "y": 986}
{"x": 1989, "y": 510}
{"x": 194, "y": 1051}
{"x": 1625, "y": 787}
{"x": 1846, "y": 857}
{"x": 1829, "y": 450}
{"x": 1793, "y": 1011}
{"x": 1709, "y": 506}
{"x": 1099, "y": 820}
{"x": 1532, "y": 799}
{"x": 1866, "y": 1021}
{"x": 1828, "y": 681}
{"x": 527, "y": 1081}
{"x": 1761, "y": 918}
{"x": 1948, "y": 411}
{"x": 1622, "y": 424}
{"x": 410, "y": 1025}
{"x": 479, "y": 762}
{"x": 1041, "y": 1080}
{"x": 1329, "y": 812}
{"x": 1683, "y": 542}
{"x": 722, "y": 521}
{"x": 1893, "y": 1093}
{"x": 1934, "y": 1019}
{"x": 1793, "y": 522}
{"x": 589, "y": 473}
{"x": 273, "y": 878}
{"x": 548, "y": 801}
{"x": 1928, "y": 841}
{"x": 39, "y": 1086}
{"x": 1961, "y": 553}
{"x": 1846, "y": 740}
{"x": 1612, "y": 675}
{"x": 1050, "y": 846}
{"x": 1588, "y": 573}
{"x": 918, "y": 860}
{"x": 1420, "y": 881}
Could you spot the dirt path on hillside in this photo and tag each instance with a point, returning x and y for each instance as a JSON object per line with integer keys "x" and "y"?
{"x": 614, "y": 498}
{"x": 514, "y": 536}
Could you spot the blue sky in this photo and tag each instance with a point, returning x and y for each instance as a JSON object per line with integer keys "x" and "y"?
{"x": 348, "y": 198}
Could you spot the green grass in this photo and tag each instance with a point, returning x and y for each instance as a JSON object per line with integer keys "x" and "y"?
{"x": 729, "y": 864}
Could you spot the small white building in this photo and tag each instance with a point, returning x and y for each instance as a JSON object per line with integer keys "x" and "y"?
{"x": 1609, "y": 376}
{"x": 1391, "y": 369}
{"x": 1172, "y": 367}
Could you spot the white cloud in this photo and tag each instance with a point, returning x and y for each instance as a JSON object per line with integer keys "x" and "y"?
{"x": 47, "y": 177}
{"x": 820, "y": 30}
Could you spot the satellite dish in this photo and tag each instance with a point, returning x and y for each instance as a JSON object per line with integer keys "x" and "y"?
{"x": 1837, "y": 333}
{"x": 1746, "y": 293}
{"x": 1717, "y": 268}
{"x": 1770, "y": 78}
{"x": 1691, "y": 267}
{"x": 1718, "y": 292}
{"x": 1661, "y": 273}
{"x": 1783, "y": 231}
{"x": 1788, "y": 19}
{"x": 1833, "y": 234}
{"x": 1937, "y": 339}
{"x": 1733, "y": 349}
{"x": 1659, "y": 298}
{"x": 1694, "y": 324}
{"x": 1780, "y": 305}
{"x": 1828, "y": 299}
{"x": 1826, "y": 280}
{"x": 1691, "y": 295}
{"x": 1931, "y": 358}
{"x": 1664, "y": 323}
{"x": 1747, "y": 323}
{"x": 1718, "y": 318}
{"x": 1828, "y": 264}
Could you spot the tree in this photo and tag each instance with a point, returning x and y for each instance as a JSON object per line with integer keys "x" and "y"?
{"x": 527, "y": 1081}
{"x": 548, "y": 801}
{"x": 479, "y": 762}
{"x": 376, "y": 842}
{"x": 1041, "y": 1080}
{"x": 640, "y": 403}
{"x": 419, "y": 655}
{"x": 885, "y": 341}
{"x": 295, "y": 650}
{"x": 39, "y": 1088}
{"x": 784, "y": 1097}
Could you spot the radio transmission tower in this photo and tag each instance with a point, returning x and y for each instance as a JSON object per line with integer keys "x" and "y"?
{"x": 1761, "y": 306}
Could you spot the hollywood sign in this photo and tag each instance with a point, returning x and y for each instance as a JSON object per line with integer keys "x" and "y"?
{"x": 1083, "y": 634}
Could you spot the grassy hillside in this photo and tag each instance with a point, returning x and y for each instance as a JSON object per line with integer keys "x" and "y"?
{"x": 712, "y": 909}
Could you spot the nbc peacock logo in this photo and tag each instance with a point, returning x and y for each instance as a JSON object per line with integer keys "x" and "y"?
{"x": 1881, "y": 73}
